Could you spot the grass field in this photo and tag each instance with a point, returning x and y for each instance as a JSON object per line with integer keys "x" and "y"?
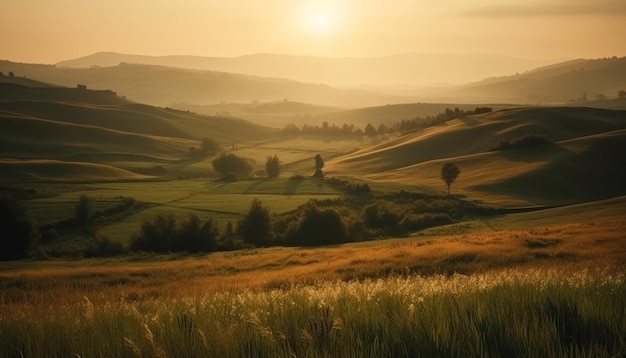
{"x": 553, "y": 290}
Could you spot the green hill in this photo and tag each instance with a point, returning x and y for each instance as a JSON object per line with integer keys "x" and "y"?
{"x": 584, "y": 162}
{"x": 57, "y": 123}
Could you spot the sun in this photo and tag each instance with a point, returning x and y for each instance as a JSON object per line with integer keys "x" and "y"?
{"x": 320, "y": 17}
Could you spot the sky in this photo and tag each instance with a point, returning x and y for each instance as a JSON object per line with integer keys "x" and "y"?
{"x": 49, "y": 31}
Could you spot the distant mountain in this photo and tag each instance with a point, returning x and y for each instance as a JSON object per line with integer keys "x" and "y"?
{"x": 412, "y": 69}
{"x": 571, "y": 81}
{"x": 163, "y": 86}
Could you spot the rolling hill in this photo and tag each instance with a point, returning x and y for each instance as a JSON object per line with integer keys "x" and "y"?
{"x": 558, "y": 83}
{"x": 56, "y": 127}
{"x": 410, "y": 69}
{"x": 585, "y": 161}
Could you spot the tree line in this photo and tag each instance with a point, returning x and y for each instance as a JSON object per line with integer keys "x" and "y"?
{"x": 405, "y": 125}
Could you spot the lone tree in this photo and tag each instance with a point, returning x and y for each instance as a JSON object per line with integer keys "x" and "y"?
{"x": 272, "y": 166}
{"x": 621, "y": 94}
{"x": 319, "y": 164}
{"x": 449, "y": 173}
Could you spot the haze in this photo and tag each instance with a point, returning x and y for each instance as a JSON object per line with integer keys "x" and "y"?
{"x": 48, "y": 31}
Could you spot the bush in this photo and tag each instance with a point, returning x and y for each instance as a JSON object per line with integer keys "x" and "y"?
{"x": 423, "y": 221}
{"x": 319, "y": 227}
{"x": 232, "y": 166}
{"x": 104, "y": 247}
{"x": 18, "y": 232}
{"x": 378, "y": 216}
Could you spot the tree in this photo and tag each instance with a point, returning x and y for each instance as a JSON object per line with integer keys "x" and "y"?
{"x": 83, "y": 211}
{"x": 621, "y": 94}
{"x": 449, "y": 173}
{"x": 272, "y": 166}
{"x": 17, "y": 230}
{"x": 370, "y": 131}
{"x": 319, "y": 227}
{"x": 11, "y": 74}
{"x": 209, "y": 146}
{"x": 256, "y": 227}
{"x": 319, "y": 164}
{"x": 232, "y": 166}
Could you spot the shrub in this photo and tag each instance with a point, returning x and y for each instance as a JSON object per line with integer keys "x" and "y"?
{"x": 378, "y": 216}
{"x": 423, "y": 221}
{"x": 18, "y": 232}
{"x": 104, "y": 247}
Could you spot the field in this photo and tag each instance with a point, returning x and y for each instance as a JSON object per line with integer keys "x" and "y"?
{"x": 554, "y": 290}
{"x": 527, "y": 257}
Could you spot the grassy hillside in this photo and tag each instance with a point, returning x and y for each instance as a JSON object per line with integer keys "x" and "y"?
{"x": 64, "y": 171}
{"x": 584, "y": 163}
{"x": 74, "y": 124}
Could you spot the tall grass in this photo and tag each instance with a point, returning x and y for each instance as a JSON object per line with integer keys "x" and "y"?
{"x": 540, "y": 313}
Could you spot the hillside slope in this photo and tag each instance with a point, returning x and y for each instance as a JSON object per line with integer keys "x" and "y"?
{"x": 65, "y": 124}
{"x": 585, "y": 162}
{"x": 560, "y": 83}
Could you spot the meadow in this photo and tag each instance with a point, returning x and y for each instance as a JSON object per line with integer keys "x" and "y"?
{"x": 553, "y": 290}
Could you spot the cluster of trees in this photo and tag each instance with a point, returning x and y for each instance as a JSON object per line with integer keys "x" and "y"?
{"x": 163, "y": 234}
{"x": 529, "y": 140}
{"x": 407, "y": 125}
{"x": 326, "y": 130}
{"x": 231, "y": 166}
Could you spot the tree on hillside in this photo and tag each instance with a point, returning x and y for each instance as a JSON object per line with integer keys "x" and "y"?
{"x": 449, "y": 173}
{"x": 319, "y": 164}
{"x": 621, "y": 94}
{"x": 272, "y": 166}
{"x": 11, "y": 74}
{"x": 256, "y": 227}
{"x": 17, "y": 230}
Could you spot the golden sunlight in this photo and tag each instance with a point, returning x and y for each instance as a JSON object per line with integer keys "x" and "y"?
{"x": 320, "y": 17}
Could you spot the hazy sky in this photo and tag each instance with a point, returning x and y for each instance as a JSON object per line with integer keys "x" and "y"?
{"x": 48, "y": 31}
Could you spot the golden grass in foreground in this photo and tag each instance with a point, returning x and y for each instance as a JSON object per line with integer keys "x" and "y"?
{"x": 565, "y": 246}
